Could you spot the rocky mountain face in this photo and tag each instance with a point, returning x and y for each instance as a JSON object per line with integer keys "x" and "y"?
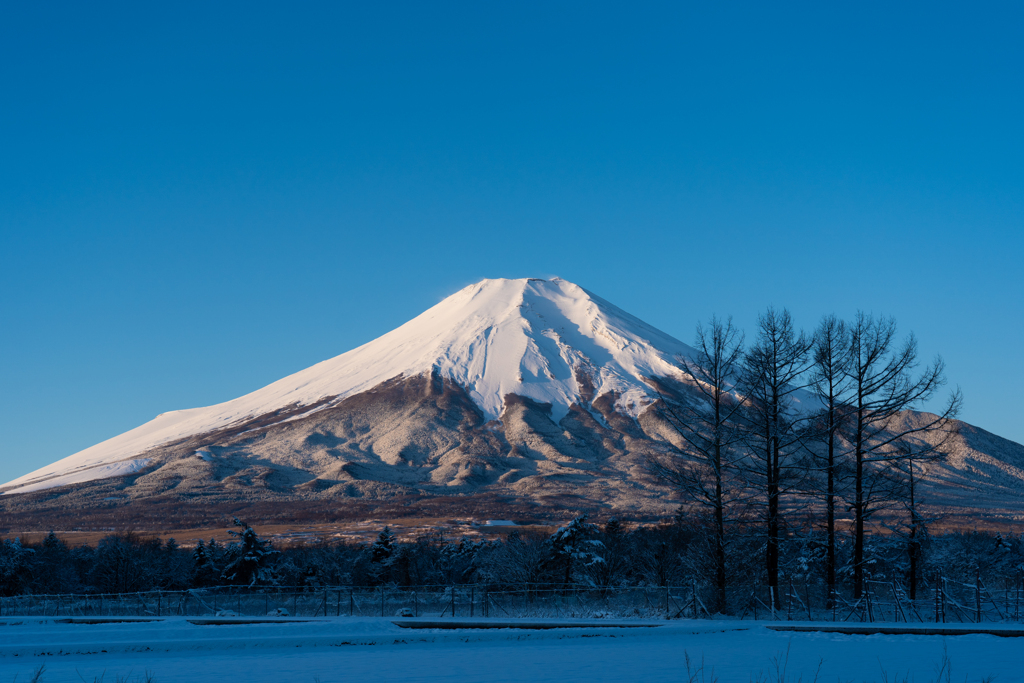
{"x": 526, "y": 394}
{"x": 409, "y": 437}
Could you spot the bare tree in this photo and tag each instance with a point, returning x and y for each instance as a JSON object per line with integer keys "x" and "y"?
{"x": 916, "y": 529}
{"x": 702, "y": 415}
{"x": 882, "y": 388}
{"x": 830, "y": 382}
{"x": 910, "y": 457}
{"x": 774, "y": 368}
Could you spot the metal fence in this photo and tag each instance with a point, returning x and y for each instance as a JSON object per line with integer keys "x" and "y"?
{"x": 942, "y": 600}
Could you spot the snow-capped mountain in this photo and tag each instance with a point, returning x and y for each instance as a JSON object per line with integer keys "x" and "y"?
{"x": 525, "y": 392}
{"x": 547, "y": 340}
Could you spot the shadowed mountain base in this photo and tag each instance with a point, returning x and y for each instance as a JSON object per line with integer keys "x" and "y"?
{"x": 419, "y": 447}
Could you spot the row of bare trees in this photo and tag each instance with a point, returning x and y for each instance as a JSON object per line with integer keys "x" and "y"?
{"x": 824, "y": 423}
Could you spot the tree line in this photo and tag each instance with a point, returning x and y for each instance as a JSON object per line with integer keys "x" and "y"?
{"x": 798, "y": 425}
{"x": 675, "y": 553}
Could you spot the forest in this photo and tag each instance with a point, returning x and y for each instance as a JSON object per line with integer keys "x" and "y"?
{"x": 582, "y": 554}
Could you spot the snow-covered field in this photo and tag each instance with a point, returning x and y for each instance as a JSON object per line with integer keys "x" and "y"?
{"x": 375, "y": 649}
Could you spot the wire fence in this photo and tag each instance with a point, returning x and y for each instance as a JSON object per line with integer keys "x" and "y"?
{"x": 942, "y": 601}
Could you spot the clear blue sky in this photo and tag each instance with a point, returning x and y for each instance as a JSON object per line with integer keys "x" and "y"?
{"x": 197, "y": 199}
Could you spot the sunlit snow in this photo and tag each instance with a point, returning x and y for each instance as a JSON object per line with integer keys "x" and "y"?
{"x": 82, "y": 474}
{"x": 529, "y": 337}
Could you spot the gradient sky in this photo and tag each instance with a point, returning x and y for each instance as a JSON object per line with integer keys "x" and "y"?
{"x": 197, "y": 199}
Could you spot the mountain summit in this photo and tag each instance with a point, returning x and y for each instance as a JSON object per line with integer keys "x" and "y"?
{"x": 549, "y": 341}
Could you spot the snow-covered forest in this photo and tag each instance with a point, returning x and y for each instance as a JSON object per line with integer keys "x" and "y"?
{"x": 583, "y": 554}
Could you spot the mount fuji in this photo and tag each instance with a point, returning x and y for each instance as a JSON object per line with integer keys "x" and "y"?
{"x": 524, "y": 389}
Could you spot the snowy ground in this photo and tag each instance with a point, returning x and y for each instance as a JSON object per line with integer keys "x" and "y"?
{"x": 375, "y": 649}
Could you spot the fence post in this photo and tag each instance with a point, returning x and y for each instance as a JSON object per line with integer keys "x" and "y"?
{"x": 472, "y": 600}
{"x": 158, "y": 596}
{"x": 942, "y": 597}
{"x": 936, "y": 598}
{"x": 415, "y": 603}
{"x": 338, "y": 606}
{"x": 351, "y": 602}
{"x": 897, "y": 607}
{"x": 977, "y": 594}
{"x": 382, "y": 600}
{"x": 1017, "y": 598}
{"x": 487, "y": 600}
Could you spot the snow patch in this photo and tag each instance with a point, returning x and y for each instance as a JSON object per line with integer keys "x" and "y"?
{"x": 80, "y": 475}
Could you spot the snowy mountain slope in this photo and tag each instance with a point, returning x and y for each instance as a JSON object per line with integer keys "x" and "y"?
{"x": 526, "y": 394}
{"x": 547, "y": 340}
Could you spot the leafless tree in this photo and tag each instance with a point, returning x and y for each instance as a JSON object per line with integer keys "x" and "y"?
{"x": 882, "y": 388}
{"x": 911, "y": 457}
{"x": 774, "y": 368}
{"x": 702, "y": 414}
{"x": 830, "y": 382}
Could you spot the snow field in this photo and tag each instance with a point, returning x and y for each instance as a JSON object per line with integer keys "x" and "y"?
{"x": 375, "y": 649}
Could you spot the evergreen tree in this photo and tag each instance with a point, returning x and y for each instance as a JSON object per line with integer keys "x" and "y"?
{"x": 204, "y": 570}
{"x": 15, "y": 570}
{"x": 381, "y": 554}
{"x": 250, "y": 558}
{"x": 382, "y": 548}
{"x": 613, "y": 528}
{"x": 615, "y": 568}
{"x": 216, "y": 552}
{"x": 52, "y": 570}
{"x": 572, "y": 547}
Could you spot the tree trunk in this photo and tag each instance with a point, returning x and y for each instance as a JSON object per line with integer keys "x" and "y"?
{"x": 913, "y": 545}
{"x": 830, "y": 511}
{"x": 719, "y": 528}
{"x": 774, "y": 474}
{"x": 858, "y": 511}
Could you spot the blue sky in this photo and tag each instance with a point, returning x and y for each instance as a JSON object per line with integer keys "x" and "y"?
{"x": 197, "y": 199}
